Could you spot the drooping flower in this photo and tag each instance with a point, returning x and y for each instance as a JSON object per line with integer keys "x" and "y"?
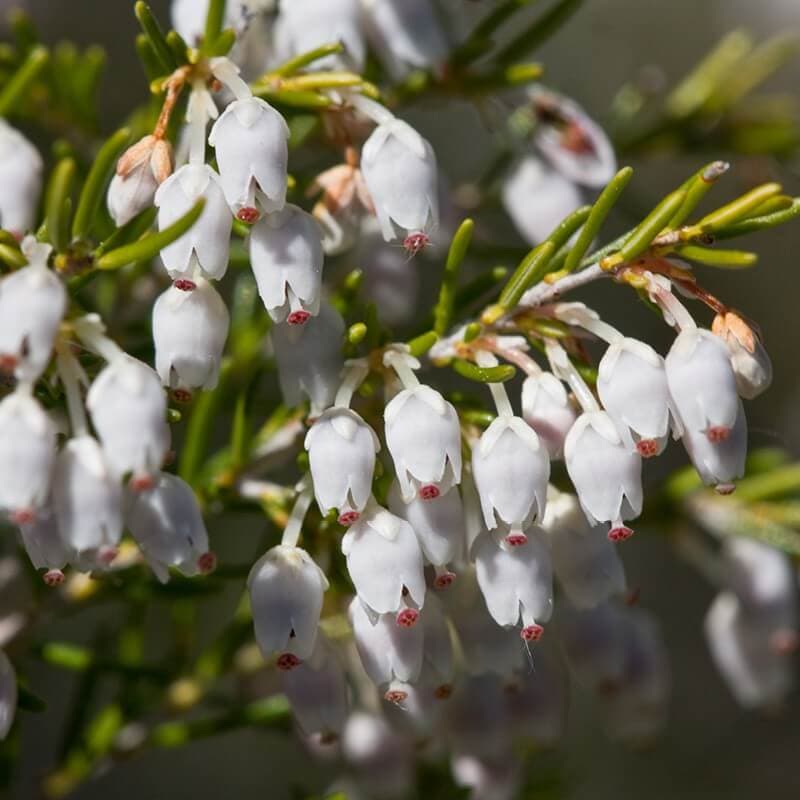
{"x": 168, "y": 527}
{"x": 546, "y": 407}
{"x": 341, "y": 450}
{"x": 21, "y": 169}
{"x": 8, "y": 695}
{"x": 286, "y": 256}
{"x": 606, "y": 474}
{"x": 206, "y": 245}
{"x": 190, "y": 328}
{"x": 286, "y": 589}
{"x": 45, "y": 547}
{"x": 32, "y": 304}
{"x": 749, "y": 358}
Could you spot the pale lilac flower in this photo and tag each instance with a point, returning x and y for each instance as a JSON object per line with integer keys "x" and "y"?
{"x": 632, "y": 384}
{"x": 511, "y": 469}
{"x": 45, "y": 547}
{"x": 27, "y": 455}
{"x": 399, "y": 167}
{"x": 8, "y": 695}
{"x": 87, "y": 500}
{"x": 190, "y": 327}
{"x": 517, "y": 582}
{"x": 286, "y": 588}
{"x": 129, "y": 412}
{"x": 206, "y": 245}
{"x": 385, "y": 561}
{"x": 547, "y": 408}
{"x": 606, "y": 474}
{"x": 286, "y": 257}
{"x": 423, "y": 435}
{"x": 537, "y": 197}
{"x": 341, "y": 450}
{"x": 168, "y": 527}
{"x": 21, "y": 169}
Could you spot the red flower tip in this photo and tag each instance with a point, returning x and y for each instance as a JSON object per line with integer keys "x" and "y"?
{"x": 407, "y": 618}
{"x": 207, "y": 562}
{"x": 185, "y": 285}
{"x": 444, "y": 580}
{"x": 718, "y": 434}
{"x": 298, "y": 317}
{"x": 620, "y": 534}
{"x": 287, "y": 661}
{"x": 429, "y": 492}
{"x": 415, "y": 243}
{"x": 248, "y": 215}
{"x": 347, "y": 518}
{"x": 647, "y": 448}
{"x": 531, "y": 633}
{"x": 53, "y": 577}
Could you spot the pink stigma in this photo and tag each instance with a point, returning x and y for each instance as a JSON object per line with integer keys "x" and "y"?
{"x": 516, "y": 539}
{"x": 395, "y": 696}
{"x": 725, "y": 488}
{"x": 287, "y": 662}
{"x": 106, "y": 554}
{"x": 22, "y": 516}
{"x": 620, "y": 534}
{"x": 248, "y": 215}
{"x": 8, "y": 363}
{"x": 429, "y": 492}
{"x": 443, "y": 692}
{"x": 182, "y": 396}
{"x": 407, "y": 618}
{"x": 347, "y": 518}
{"x": 207, "y": 562}
{"x": 444, "y": 580}
{"x": 531, "y": 633}
{"x": 298, "y": 317}
{"x": 784, "y": 642}
{"x": 185, "y": 285}
{"x": 141, "y": 483}
{"x": 53, "y": 577}
{"x": 415, "y": 243}
{"x": 718, "y": 434}
{"x": 647, "y": 448}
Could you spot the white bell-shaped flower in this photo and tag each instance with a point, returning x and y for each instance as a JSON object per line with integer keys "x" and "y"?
{"x": 168, "y": 527}
{"x": 702, "y": 384}
{"x": 632, "y": 384}
{"x": 206, "y": 245}
{"x": 189, "y": 330}
{"x": 8, "y": 695}
{"x": 87, "y": 499}
{"x": 341, "y": 452}
{"x": 585, "y": 561}
{"x": 546, "y": 407}
{"x": 140, "y": 171}
{"x": 317, "y": 692}
{"x": 305, "y": 25}
{"x": 251, "y": 142}
{"x": 21, "y": 169}
{"x": 537, "y": 197}
{"x": 385, "y": 564}
{"x": 517, "y": 582}
{"x": 438, "y": 524}
{"x": 423, "y": 435}
{"x": 759, "y": 674}
{"x": 406, "y": 35}
{"x": 32, "y": 304}
{"x": 45, "y": 547}
{"x": 571, "y": 141}
{"x": 719, "y": 463}
{"x": 27, "y": 455}
{"x": 511, "y": 469}
{"x": 388, "y": 651}
{"x": 286, "y": 588}
{"x": 606, "y": 474}
{"x": 750, "y": 361}
{"x": 129, "y": 412}
{"x": 399, "y": 167}
{"x": 310, "y": 358}
{"x": 286, "y": 257}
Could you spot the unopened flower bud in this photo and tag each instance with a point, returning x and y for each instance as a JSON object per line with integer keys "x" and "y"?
{"x": 286, "y": 256}
{"x": 606, "y": 474}
{"x": 27, "y": 455}
{"x": 632, "y": 384}
{"x": 32, "y": 304}
{"x": 384, "y": 560}
{"x": 21, "y": 169}
{"x": 206, "y": 245}
{"x": 168, "y": 527}
{"x": 250, "y": 139}
{"x": 286, "y": 589}
{"x": 129, "y": 412}
{"x": 400, "y": 169}
{"x": 87, "y": 499}
{"x": 8, "y": 695}
{"x": 189, "y": 330}
{"x": 424, "y": 438}
{"x": 341, "y": 450}
{"x": 140, "y": 171}
{"x": 749, "y": 358}
{"x": 546, "y": 407}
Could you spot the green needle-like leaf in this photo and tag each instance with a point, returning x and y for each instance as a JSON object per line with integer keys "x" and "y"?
{"x": 17, "y": 87}
{"x": 303, "y": 60}
{"x": 729, "y": 259}
{"x": 443, "y": 313}
{"x": 739, "y": 208}
{"x": 532, "y": 269}
{"x": 156, "y": 37}
{"x": 59, "y": 203}
{"x": 423, "y": 343}
{"x": 472, "y": 372}
{"x": 755, "y": 224}
{"x": 215, "y": 19}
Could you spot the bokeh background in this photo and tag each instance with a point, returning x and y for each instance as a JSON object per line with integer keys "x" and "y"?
{"x": 711, "y": 748}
